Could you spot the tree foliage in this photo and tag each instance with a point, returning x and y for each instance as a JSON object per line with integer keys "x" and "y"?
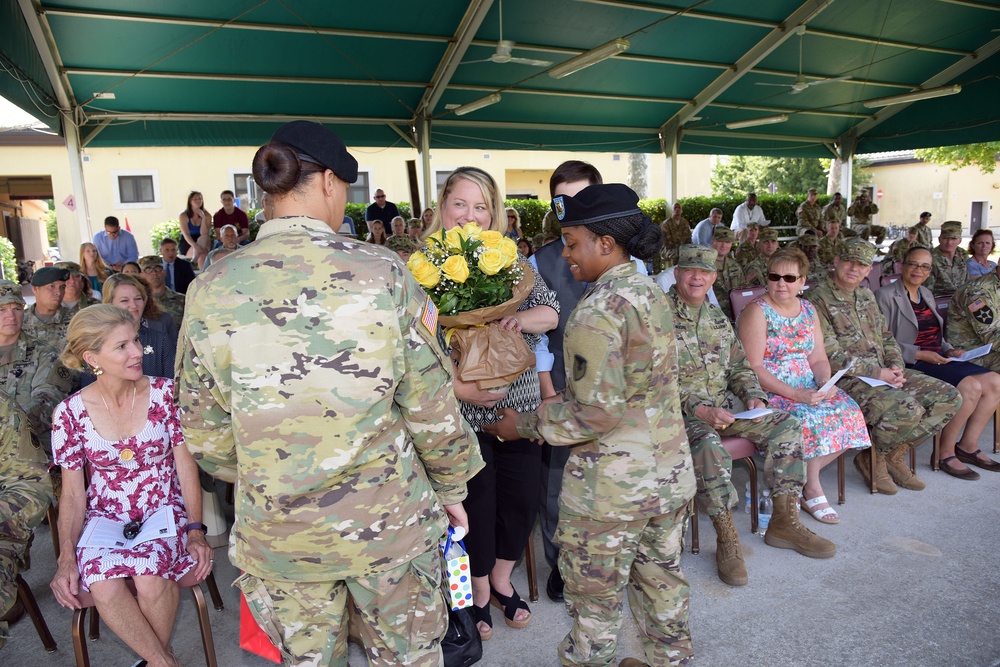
{"x": 736, "y": 175}
{"x": 983, "y": 156}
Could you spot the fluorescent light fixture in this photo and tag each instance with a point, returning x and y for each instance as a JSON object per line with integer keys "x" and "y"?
{"x": 754, "y": 122}
{"x": 592, "y": 57}
{"x": 477, "y": 104}
{"x": 915, "y": 96}
{"x": 104, "y": 96}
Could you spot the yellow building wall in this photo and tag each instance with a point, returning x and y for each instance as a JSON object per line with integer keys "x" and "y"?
{"x": 46, "y": 161}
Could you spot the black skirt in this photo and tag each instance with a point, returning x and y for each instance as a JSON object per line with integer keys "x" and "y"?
{"x": 952, "y": 372}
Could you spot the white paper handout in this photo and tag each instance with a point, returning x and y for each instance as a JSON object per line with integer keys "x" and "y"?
{"x": 836, "y": 376}
{"x": 752, "y": 414}
{"x": 976, "y": 353}
{"x": 872, "y": 382}
{"x": 108, "y": 533}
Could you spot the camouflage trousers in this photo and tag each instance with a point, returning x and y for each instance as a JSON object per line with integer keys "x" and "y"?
{"x": 865, "y": 230}
{"x": 777, "y": 435}
{"x": 908, "y": 415}
{"x": 10, "y": 564}
{"x": 402, "y": 615}
{"x": 598, "y": 560}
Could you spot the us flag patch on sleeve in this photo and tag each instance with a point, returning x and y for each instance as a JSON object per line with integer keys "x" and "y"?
{"x": 976, "y": 305}
{"x": 430, "y": 317}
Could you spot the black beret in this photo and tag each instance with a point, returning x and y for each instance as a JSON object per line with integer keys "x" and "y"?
{"x": 319, "y": 145}
{"x": 48, "y": 274}
{"x": 596, "y": 203}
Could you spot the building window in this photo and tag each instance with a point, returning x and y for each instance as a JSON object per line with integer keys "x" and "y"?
{"x": 441, "y": 177}
{"x": 136, "y": 189}
{"x": 240, "y": 186}
{"x": 357, "y": 192}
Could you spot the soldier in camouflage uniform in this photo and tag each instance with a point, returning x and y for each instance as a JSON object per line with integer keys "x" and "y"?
{"x": 836, "y": 210}
{"x": 746, "y": 251}
{"x": 809, "y": 245}
{"x": 714, "y": 375}
{"x": 309, "y": 372}
{"x": 829, "y": 245}
{"x": 730, "y": 273}
{"x": 974, "y": 318}
{"x": 861, "y": 212}
{"x": 47, "y": 318}
{"x": 30, "y": 370}
{"x": 924, "y": 236}
{"x": 915, "y": 407}
{"x": 25, "y": 495}
{"x": 950, "y": 268}
{"x": 898, "y": 250}
{"x": 78, "y": 294}
{"x": 755, "y": 273}
{"x": 809, "y": 215}
{"x": 676, "y": 232}
{"x": 629, "y": 477}
{"x": 168, "y": 300}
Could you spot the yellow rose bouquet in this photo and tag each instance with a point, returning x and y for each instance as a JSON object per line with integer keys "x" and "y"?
{"x": 474, "y": 278}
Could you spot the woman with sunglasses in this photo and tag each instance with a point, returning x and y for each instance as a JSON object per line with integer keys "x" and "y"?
{"x": 784, "y": 344}
{"x": 513, "y": 224}
{"x": 912, "y": 317}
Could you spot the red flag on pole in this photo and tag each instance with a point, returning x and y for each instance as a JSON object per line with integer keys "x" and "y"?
{"x": 128, "y": 228}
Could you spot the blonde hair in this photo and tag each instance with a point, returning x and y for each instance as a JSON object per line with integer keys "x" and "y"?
{"x": 102, "y": 269}
{"x": 490, "y": 192}
{"x": 152, "y": 309}
{"x": 88, "y": 330}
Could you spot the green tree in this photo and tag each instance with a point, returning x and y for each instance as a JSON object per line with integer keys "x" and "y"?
{"x": 739, "y": 174}
{"x": 51, "y": 227}
{"x": 983, "y": 156}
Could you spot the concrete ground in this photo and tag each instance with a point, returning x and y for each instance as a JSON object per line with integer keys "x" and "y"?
{"x": 914, "y": 583}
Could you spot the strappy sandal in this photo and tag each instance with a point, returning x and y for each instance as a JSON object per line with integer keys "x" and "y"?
{"x": 824, "y": 515}
{"x": 510, "y": 605}
{"x": 482, "y": 615}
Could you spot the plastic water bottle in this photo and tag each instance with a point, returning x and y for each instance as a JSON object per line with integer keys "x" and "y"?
{"x": 766, "y": 507}
{"x": 747, "y": 500}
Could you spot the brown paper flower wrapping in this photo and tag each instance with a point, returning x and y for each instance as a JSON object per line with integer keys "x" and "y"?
{"x": 484, "y": 353}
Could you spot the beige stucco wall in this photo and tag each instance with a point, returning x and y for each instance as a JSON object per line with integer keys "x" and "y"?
{"x": 909, "y": 189}
{"x": 178, "y": 170}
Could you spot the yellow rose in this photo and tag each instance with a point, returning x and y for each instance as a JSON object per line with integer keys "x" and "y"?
{"x": 490, "y": 238}
{"x": 472, "y": 230}
{"x": 455, "y": 268}
{"x": 453, "y": 239}
{"x": 509, "y": 249}
{"x": 426, "y": 273}
{"x": 492, "y": 261}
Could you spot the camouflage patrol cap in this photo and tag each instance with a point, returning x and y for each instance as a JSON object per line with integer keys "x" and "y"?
{"x": 857, "y": 249}
{"x": 10, "y": 292}
{"x": 72, "y": 267}
{"x": 807, "y": 240}
{"x": 402, "y": 242}
{"x": 150, "y": 260}
{"x": 768, "y": 234}
{"x": 47, "y": 275}
{"x": 723, "y": 234}
{"x": 811, "y": 191}
{"x": 691, "y": 256}
{"x": 952, "y": 229}
{"x": 752, "y": 225}
{"x": 415, "y": 222}
{"x": 913, "y": 230}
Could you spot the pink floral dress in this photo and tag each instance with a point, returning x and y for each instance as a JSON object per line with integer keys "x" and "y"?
{"x": 124, "y": 490}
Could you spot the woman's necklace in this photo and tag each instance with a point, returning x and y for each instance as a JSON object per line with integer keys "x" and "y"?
{"x": 126, "y": 454}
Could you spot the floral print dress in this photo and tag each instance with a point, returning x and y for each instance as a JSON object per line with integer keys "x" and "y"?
{"x": 129, "y": 479}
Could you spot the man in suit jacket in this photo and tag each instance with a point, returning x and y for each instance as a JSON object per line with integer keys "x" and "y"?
{"x": 178, "y": 272}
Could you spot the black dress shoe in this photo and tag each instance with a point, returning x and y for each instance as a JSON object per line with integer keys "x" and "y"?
{"x": 970, "y": 475}
{"x": 554, "y": 587}
{"x": 972, "y": 459}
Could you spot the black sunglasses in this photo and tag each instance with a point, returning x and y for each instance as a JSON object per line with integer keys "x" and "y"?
{"x": 788, "y": 278}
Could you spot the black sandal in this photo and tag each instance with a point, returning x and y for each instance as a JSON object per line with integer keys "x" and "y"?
{"x": 510, "y": 605}
{"x": 972, "y": 459}
{"x": 944, "y": 464}
{"x": 482, "y": 615}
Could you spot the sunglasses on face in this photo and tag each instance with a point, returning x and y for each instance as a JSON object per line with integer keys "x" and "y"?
{"x": 787, "y": 277}
{"x": 379, "y": 196}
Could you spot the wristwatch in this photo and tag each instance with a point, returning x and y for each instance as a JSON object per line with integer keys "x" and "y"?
{"x": 194, "y": 526}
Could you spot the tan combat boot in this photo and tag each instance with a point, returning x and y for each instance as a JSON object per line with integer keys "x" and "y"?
{"x": 899, "y": 469}
{"x": 786, "y": 531}
{"x": 728, "y": 555}
{"x": 884, "y": 483}
{"x": 632, "y": 662}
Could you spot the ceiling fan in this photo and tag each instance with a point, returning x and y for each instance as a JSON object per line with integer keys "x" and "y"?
{"x": 503, "y": 53}
{"x": 800, "y": 82}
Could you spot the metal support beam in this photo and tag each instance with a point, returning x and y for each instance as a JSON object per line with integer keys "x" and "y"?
{"x": 94, "y": 132}
{"x": 670, "y": 139}
{"x": 695, "y": 132}
{"x": 846, "y": 148}
{"x": 246, "y": 117}
{"x": 45, "y": 44}
{"x": 406, "y": 137}
{"x": 244, "y": 78}
{"x": 423, "y": 128}
{"x": 758, "y": 52}
{"x": 942, "y": 78}
{"x": 467, "y": 29}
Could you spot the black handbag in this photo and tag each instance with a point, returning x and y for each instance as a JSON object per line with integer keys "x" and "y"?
{"x": 461, "y": 645}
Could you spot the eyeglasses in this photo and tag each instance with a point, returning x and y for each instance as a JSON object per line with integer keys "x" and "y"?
{"x": 379, "y": 196}
{"x": 112, "y": 234}
{"x": 914, "y": 265}
{"x": 787, "y": 277}
{"x": 152, "y": 268}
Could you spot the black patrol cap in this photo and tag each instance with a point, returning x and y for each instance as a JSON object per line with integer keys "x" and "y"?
{"x": 596, "y": 203}
{"x": 320, "y": 145}
{"x": 47, "y": 275}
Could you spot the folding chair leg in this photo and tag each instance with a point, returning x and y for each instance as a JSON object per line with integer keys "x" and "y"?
{"x": 529, "y": 565}
{"x": 913, "y": 460}
{"x": 95, "y": 625}
{"x": 693, "y": 514}
{"x": 52, "y": 516}
{"x": 31, "y": 606}
{"x": 754, "y": 506}
{"x": 213, "y": 590}
{"x": 996, "y": 432}
{"x": 80, "y": 646}
{"x": 205, "y": 625}
{"x": 841, "y": 492}
{"x": 936, "y": 453}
